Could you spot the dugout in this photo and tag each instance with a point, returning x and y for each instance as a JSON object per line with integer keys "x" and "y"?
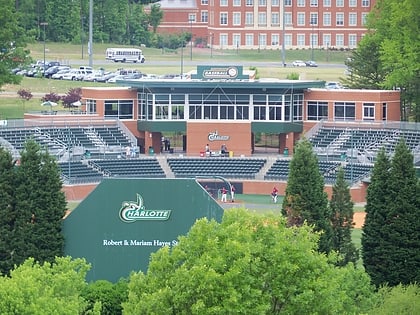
{"x": 123, "y": 221}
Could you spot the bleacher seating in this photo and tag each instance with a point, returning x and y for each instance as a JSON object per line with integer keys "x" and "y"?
{"x": 245, "y": 168}
{"x": 78, "y": 172}
{"x": 279, "y": 170}
{"x": 143, "y": 167}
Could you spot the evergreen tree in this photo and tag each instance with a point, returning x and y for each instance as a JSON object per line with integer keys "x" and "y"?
{"x": 39, "y": 207}
{"x": 305, "y": 198}
{"x": 373, "y": 236}
{"x": 7, "y": 187}
{"x": 403, "y": 222}
{"x": 390, "y": 240}
{"x": 341, "y": 207}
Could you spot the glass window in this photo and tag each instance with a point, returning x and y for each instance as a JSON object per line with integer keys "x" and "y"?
{"x": 364, "y": 18}
{"x": 314, "y": 3}
{"x": 288, "y": 40}
{"x": 204, "y": 2}
{"x": 223, "y": 40}
{"x": 301, "y": 39}
{"x": 344, "y": 111}
{"x": 297, "y": 106}
{"x": 327, "y": 19}
{"x": 236, "y": 3}
{"x": 249, "y": 3}
{"x": 91, "y": 106}
{"x": 249, "y": 39}
{"x": 339, "y": 3}
{"x": 288, "y": 18}
{"x": 236, "y": 18}
{"x": 300, "y": 3}
{"x": 301, "y": 18}
{"x": 262, "y": 40}
{"x": 204, "y": 16}
{"x": 384, "y": 111}
{"x": 288, "y": 3}
{"x": 121, "y": 109}
{"x": 327, "y": 3}
{"x": 236, "y": 40}
{"x": 352, "y": 19}
{"x": 352, "y": 40}
{"x": 275, "y": 3}
{"x": 223, "y": 18}
{"x": 317, "y": 111}
{"x": 365, "y": 3}
{"x": 368, "y": 111}
{"x": 326, "y": 40}
{"x": 339, "y": 19}
{"x": 223, "y": 3}
{"x": 275, "y": 39}
{"x": 352, "y": 3}
{"x": 275, "y": 19}
{"x": 262, "y": 18}
{"x": 313, "y": 20}
{"x": 262, "y": 3}
{"x": 339, "y": 40}
{"x": 249, "y": 18}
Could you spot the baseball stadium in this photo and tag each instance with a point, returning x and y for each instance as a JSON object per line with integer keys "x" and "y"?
{"x": 149, "y": 149}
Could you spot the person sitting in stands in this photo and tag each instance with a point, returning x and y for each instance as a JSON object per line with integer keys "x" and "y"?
{"x": 223, "y": 149}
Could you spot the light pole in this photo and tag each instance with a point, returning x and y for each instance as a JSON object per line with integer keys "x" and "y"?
{"x": 191, "y": 43}
{"x": 44, "y": 24}
{"x": 312, "y": 39}
{"x": 182, "y": 57}
{"x": 211, "y": 45}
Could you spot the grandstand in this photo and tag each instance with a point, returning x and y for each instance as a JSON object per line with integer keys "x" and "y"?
{"x": 88, "y": 154}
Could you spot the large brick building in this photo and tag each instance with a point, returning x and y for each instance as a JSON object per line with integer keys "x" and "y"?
{"x": 268, "y": 24}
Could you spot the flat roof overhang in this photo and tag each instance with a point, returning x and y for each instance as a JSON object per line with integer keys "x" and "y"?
{"x": 258, "y": 86}
{"x": 158, "y": 126}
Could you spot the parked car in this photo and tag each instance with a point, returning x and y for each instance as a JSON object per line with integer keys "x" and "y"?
{"x": 54, "y": 69}
{"x": 59, "y": 74}
{"x": 311, "y": 63}
{"x": 76, "y": 74}
{"x": 333, "y": 86}
{"x": 106, "y": 76}
{"x": 298, "y": 63}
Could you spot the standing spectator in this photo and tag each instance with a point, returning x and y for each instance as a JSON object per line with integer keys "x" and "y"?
{"x": 127, "y": 152}
{"x": 207, "y": 149}
{"x": 232, "y": 193}
{"x": 223, "y": 150}
{"x": 162, "y": 144}
{"x": 224, "y": 194}
{"x": 274, "y": 194}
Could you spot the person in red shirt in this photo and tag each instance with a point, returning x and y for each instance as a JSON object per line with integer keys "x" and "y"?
{"x": 224, "y": 195}
{"x": 274, "y": 194}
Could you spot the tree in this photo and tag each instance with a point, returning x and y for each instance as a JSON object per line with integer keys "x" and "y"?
{"x": 305, "y": 198}
{"x": 34, "y": 219}
{"x": 73, "y": 95}
{"x": 390, "y": 241}
{"x": 365, "y": 67}
{"x": 398, "y": 300}
{"x": 7, "y": 188}
{"x": 49, "y": 288}
{"x": 247, "y": 264}
{"x": 156, "y": 16}
{"x": 12, "y": 44}
{"x": 109, "y": 295}
{"x": 341, "y": 207}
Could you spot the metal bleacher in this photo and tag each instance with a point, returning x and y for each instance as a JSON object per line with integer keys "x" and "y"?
{"x": 137, "y": 167}
{"x": 245, "y": 168}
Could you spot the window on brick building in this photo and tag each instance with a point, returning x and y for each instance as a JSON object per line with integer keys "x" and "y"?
{"x": 223, "y": 18}
{"x": 352, "y": 19}
{"x": 236, "y": 18}
{"x": 249, "y": 18}
{"x": 339, "y": 19}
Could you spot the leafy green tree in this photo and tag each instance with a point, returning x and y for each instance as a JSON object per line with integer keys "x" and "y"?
{"x": 390, "y": 235}
{"x": 49, "y": 288}
{"x": 12, "y": 43}
{"x": 109, "y": 295}
{"x": 341, "y": 207}
{"x": 155, "y": 17}
{"x": 305, "y": 199}
{"x": 247, "y": 264}
{"x": 38, "y": 208}
{"x": 7, "y": 187}
{"x": 398, "y": 300}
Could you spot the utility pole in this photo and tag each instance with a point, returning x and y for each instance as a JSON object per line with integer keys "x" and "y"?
{"x": 44, "y": 24}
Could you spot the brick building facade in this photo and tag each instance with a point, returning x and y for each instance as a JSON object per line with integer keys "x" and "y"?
{"x": 268, "y": 24}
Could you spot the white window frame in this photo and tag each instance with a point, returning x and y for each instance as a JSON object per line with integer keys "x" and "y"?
{"x": 339, "y": 19}
{"x": 224, "y": 18}
{"x": 236, "y": 18}
{"x": 326, "y": 19}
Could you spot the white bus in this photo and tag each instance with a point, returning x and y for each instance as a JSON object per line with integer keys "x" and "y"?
{"x": 125, "y": 55}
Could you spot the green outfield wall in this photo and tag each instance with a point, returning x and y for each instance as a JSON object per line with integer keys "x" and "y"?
{"x": 123, "y": 221}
